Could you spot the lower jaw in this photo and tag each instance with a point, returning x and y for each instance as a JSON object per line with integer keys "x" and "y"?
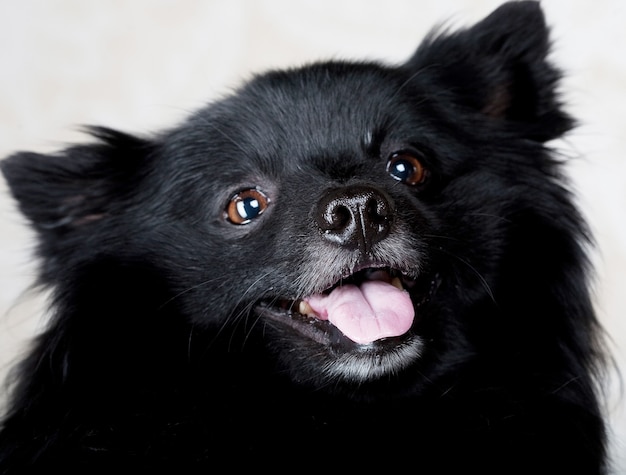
{"x": 342, "y": 358}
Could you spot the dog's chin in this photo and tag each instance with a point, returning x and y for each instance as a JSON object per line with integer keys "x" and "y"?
{"x": 325, "y": 350}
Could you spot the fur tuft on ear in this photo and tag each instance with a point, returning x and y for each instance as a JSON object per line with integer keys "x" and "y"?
{"x": 80, "y": 185}
{"x": 499, "y": 68}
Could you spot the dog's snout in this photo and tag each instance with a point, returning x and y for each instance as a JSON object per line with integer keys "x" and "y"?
{"x": 356, "y": 217}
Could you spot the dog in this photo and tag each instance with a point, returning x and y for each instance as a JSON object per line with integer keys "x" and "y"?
{"x": 345, "y": 265}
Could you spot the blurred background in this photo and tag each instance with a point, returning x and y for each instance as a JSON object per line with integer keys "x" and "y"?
{"x": 143, "y": 65}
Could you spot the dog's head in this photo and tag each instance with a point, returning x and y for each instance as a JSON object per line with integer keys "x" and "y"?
{"x": 359, "y": 218}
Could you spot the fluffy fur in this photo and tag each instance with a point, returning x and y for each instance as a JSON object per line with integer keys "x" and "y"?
{"x": 175, "y": 340}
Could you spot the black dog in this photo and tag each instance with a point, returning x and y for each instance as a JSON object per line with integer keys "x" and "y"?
{"x": 341, "y": 266}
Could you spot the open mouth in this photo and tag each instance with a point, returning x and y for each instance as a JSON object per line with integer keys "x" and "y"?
{"x": 372, "y": 305}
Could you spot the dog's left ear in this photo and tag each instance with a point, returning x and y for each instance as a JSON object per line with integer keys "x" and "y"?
{"x": 499, "y": 68}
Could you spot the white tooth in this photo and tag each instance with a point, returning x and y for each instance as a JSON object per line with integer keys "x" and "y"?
{"x": 397, "y": 283}
{"x": 305, "y": 309}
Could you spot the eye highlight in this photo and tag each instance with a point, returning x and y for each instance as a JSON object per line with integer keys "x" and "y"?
{"x": 246, "y": 206}
{"x": 407, "y": 168}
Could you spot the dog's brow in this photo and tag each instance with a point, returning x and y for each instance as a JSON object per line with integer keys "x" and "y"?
{"x": 373, "y": 140}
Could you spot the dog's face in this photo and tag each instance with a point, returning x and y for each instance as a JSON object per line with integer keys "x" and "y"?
{"x": 359, "y": 219}
{"x": 321, "y": 213}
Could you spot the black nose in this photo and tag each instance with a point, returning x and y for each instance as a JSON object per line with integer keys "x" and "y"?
{"x": 356, "y": 217}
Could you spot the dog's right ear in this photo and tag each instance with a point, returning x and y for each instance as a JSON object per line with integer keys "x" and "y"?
{"x": 82, "y": 184}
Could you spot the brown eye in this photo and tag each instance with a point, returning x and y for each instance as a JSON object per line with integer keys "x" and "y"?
{"x": 406, "y": 168}
{"x": 246, "y": 205}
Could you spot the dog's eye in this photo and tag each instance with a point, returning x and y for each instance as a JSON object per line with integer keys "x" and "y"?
{"x": 406, "y": 168}
{"x": 246, "y": 205}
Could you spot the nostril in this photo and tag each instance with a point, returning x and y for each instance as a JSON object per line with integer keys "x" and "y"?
{"x": 377, "y": 209}
{"x": 335, "y": 217}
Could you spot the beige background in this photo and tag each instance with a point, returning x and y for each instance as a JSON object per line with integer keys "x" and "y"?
{"x": 144, "y": 64}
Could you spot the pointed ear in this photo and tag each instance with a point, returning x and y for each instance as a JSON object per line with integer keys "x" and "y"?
{"x": 80, "y": 185}
{"x": 499, "y": 68}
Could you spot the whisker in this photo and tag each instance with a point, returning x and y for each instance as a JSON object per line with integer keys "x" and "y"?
{"x": 256, "y": 320}
{"x": 408, "y": 81}
{"x": 183, "y": 292}
{"x": 482, "y": 280}
{"x": 240, "y": 315}
{"x": 225, "y": 135}
{"x": 491, "y": 215}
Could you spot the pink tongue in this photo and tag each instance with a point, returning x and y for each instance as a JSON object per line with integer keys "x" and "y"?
{"x": 367, "y": 313}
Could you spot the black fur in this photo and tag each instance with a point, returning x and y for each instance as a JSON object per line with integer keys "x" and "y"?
{"x": 168, "y": 347}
